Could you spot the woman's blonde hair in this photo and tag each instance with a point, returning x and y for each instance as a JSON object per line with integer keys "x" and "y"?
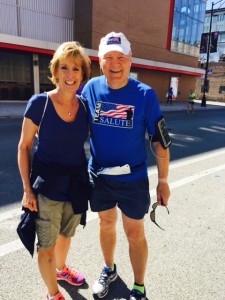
{"x": 75, "y": 51}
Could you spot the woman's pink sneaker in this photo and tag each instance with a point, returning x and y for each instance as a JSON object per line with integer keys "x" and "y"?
{"x": 71, "y": 276}
{"x": 58, "y": 296}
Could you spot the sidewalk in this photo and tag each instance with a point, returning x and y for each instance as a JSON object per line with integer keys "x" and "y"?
{"x": 12, "y": 109}
{"x": 182, "y": 106}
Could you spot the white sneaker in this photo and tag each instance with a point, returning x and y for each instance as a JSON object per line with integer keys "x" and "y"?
{"x": 101, "y": 286}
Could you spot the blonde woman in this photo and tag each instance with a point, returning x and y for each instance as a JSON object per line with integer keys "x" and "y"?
{"x": 57, "y": 186}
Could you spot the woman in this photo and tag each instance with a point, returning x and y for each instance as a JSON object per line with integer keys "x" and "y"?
{"x": 58, "y": 173}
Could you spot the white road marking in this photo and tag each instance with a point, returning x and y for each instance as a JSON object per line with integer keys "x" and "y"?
{"x": 195, "y": 159}
{"x": 10, "y": 214}
{"x": 17, "y": 245}
{"x": 10, "y": 247}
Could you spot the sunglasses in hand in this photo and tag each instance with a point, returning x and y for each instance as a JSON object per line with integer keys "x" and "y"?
{"x": 152, "y": 214}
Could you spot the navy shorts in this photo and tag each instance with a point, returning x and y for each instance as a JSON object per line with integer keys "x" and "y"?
{"x": 132, "y": 198}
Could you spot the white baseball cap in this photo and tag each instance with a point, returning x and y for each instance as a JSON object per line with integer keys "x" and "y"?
{"x": 114, "y": 42}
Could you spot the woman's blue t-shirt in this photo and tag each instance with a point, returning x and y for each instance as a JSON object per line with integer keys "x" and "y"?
{"x": 59, "y": 141}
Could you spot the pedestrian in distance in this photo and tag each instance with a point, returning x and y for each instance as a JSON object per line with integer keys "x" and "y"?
{"x": 169, "y": 96}
{"x": 191, "y": 101}
{"x": 121, "y": 109}
{"x": 58, "y": 184}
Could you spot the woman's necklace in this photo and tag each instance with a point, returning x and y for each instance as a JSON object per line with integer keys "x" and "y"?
{"x": 68, "y": 109}
{"x": 71, "y": 110}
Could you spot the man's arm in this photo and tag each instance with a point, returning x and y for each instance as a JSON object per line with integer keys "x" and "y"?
{"x": 162, "y": 160}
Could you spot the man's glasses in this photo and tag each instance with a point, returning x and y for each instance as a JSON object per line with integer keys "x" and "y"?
{"x": 152, "y": 214}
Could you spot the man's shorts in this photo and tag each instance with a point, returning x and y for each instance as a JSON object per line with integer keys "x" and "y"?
{"x": 54, "y": 218}
{"x": 132, "y": 198}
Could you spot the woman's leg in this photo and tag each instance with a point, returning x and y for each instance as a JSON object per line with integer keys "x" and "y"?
{"x": 61, "y": 251}
{"x": 47, "y": 267}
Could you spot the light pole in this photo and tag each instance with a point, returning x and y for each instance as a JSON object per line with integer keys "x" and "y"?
{"x": 203, "y": 103}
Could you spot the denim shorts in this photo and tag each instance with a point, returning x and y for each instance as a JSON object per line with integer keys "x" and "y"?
{"x": 132, "y": 198}
{"x": 54, "y": 218}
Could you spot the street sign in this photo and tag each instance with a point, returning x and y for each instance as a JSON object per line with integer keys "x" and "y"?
{"x": 210, "y": 72}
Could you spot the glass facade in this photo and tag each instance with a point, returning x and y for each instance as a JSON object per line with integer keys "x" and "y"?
{"x": 16, "y": 75}
{"x": 188, "y": 25}
{"x": 44, "y": 73}
{"x": 218, "y": 24}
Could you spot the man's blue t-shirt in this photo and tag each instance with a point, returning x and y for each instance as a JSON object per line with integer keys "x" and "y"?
{"x": 59, "y": 142}
{"x": 119, "y": 119}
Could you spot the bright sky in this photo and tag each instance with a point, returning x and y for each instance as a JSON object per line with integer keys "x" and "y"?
{"x": 218, "y": 5}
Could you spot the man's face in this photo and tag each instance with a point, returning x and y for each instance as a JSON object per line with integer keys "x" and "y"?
{"x": 116, "y": 67}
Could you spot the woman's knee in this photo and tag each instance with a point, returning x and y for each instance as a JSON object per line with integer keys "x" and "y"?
{"x": 46, "y": 254}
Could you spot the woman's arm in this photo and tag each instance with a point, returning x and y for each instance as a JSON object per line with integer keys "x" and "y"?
{"x": 28, "y": 132}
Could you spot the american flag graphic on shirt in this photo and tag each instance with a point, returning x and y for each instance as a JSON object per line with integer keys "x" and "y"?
{"x": 114, "y": 110}
{"x": 113, "y": 114}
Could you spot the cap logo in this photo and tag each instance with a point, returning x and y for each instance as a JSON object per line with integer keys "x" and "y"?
{"x": 113, "y": 40}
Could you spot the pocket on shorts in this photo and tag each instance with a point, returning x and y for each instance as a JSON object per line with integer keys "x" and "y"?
{"x": 45, "y": 233}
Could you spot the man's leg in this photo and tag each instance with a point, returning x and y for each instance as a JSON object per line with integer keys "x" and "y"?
{"x": 108, "y": 220}
{"x": 138, "y": 249}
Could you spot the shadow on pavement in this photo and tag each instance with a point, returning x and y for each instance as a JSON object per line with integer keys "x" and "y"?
{"x": 118, "y": 290}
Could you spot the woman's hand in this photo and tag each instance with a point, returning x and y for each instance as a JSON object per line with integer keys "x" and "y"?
{"x": 29, "y": 201}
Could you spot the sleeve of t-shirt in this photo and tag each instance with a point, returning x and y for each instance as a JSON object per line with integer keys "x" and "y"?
{"x": 35, "y": 108}
{"x": 152, "y": 111}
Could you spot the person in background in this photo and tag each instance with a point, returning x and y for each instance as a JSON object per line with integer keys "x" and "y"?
{"x": 58, "y": 183}
{"x": 191, "y": 101}
{"x": 121, "y": 110}
{"x": 170, "y": 96}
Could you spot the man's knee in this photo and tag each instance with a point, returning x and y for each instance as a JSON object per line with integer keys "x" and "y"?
{"x": 107, "y": 220}
{"x": 135, "y": 235}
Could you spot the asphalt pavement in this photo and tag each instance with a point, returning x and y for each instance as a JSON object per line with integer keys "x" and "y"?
{"x": 186, "y": 261}
{"x": 16, "y": 108}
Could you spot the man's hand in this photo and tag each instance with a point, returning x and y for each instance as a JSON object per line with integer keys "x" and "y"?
{"x": 163, "y": 192}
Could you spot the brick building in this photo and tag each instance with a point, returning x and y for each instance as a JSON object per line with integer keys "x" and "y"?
{"x": 164, "y": 34}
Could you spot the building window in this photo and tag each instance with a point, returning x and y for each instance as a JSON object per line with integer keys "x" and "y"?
{"x": 15, "y": 67}
{"x": 187, "y": 26}
{"x": 222, "y": 89}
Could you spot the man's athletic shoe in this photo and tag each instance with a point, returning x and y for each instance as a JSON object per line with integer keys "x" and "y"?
{"x": 136, "y": 295}
{"x": 71, "y": 276}
{"x": 58, "y": 296}
{"x": 101, "y": 286}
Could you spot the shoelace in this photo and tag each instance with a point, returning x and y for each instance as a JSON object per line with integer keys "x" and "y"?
{"x": 72, "y": 273}
{"x": 103, "y": 276}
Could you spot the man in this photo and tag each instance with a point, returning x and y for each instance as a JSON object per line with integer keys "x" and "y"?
{"x": 121, "y": 109}
{"x": 191, "y": 101}
{"x": 170, "y": 96}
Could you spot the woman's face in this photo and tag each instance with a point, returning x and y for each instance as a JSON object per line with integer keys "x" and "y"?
{"x": 69, "y": 75}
